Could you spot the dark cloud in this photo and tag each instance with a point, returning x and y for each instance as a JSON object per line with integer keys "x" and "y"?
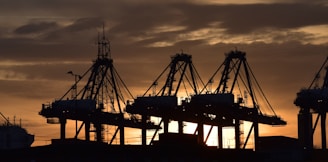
{"x": 138, "y": 18}
{"x": 80, "y": 31}
{"x": 35, "y": 27}
{"x": 54, "y": 9}
{"x": 25, "y": 49}
{"x": 141, "y": 20}
{"x": 276, "y": 16}
{"x": 82, "y": 24}
{"x": 53, "y": 41}
{"x": 248, "y": 18}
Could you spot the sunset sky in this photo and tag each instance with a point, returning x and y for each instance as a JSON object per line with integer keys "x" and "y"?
{"x": 286, "y": 42}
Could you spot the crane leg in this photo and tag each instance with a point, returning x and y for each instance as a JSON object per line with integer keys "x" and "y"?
{"x": 62, "y": 128}
{"x": 323, "y": 131}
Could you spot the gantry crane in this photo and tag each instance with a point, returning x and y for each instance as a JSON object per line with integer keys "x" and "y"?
{"x": 313, "y": 100}
{"x": 100, "y": 101}
{"x": 236, "y": 79}
{"x": 164, "y": 103}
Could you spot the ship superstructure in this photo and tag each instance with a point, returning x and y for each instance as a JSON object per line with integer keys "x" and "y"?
{"x": 14, "y": 136}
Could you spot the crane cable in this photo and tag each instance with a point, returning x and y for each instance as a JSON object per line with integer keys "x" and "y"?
{"x": 318, "y": 73}
{"x": 260, "y": 89}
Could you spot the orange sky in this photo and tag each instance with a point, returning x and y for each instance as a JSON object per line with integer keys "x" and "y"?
{"x": 285, "y": 42}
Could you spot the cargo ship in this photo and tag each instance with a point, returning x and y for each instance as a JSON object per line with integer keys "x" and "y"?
{"x": 14, "y": 136}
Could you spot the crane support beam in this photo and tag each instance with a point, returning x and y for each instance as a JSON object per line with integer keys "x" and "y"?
{"x": 98, "y": 117}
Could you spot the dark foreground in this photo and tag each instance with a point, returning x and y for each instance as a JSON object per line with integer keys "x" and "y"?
{"x": 94, "y": 152}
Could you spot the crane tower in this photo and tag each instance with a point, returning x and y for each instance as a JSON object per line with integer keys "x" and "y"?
{"x": 313, "y": 100}
{"x": 99, "y": 102}
{"x": 182, "y": 80}
{"x": 236, "y": 78}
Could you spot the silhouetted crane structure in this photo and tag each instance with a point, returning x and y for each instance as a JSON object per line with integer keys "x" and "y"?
{"x": 313, "y": 100}
{"x": 164, "y": 103}
{"x": 99, "y": 102}
{"x": 236, "y": 78}
{"x": 216, "y": 108}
